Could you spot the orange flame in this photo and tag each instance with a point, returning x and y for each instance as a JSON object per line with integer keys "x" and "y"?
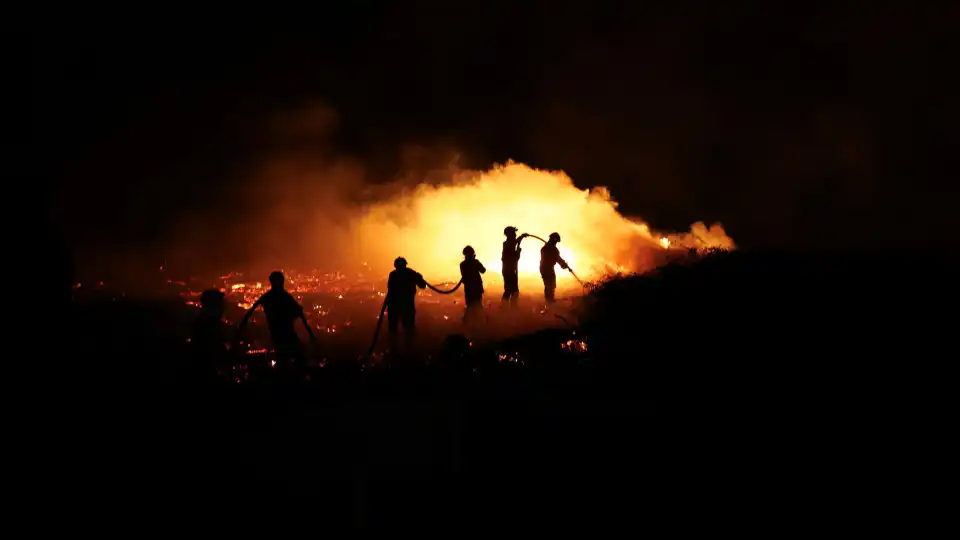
{"x": 430, "y": 225}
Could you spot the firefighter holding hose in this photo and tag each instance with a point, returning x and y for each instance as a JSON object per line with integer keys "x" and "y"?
{"x": 402, "y": 288}
{"x": 282, "y": 311}
{"x": 510, "y": 257}
{"x": 470, "y": 270}
{"x": 549, "y": 258}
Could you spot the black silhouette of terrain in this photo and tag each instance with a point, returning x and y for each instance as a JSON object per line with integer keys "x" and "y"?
{"x": 747, "y": 387}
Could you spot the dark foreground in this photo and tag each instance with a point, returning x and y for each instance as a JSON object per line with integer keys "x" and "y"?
{"x": 755, "y": 391}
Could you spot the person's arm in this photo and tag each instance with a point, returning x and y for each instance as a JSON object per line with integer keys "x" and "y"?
{"x": 563, "y": 263}
{"x": 306, "y": 324}
{"x": 243, "y": 323}
{"x": 303, "y": 317}
{"x": 422, "y": 283}
{"x": 480, "y": 267}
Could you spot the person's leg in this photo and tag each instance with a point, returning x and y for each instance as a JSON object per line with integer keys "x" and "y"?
{"x": 479, "y": 316}
{"x": 409, "y": 331}
{"x": 299, "y": 358}
{"x": 549, "y": 287}
{"x": 393, "y": 320}
{"x": 467, "y": 310}
{"x": 513, "y": 287}
{"x": 473, "y": 311}
{"x": 393, "y": 324}
{"x": 290, "y": 356}
{"x": 509, "y": 283}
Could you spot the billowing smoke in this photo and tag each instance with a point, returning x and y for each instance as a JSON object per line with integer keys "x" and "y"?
{"x": 300, "y": 203}
{"x": 430, "y": 224}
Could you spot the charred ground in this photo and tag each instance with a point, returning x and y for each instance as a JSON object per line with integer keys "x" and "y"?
{"x": 735, "y": 388}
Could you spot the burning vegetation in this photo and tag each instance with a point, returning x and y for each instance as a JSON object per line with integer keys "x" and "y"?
{"x": 429, "y": 225}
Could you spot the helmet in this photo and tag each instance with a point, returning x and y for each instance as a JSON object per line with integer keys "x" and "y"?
{"x": 555, "y": 236}
{"x": 399, "y": 262}
{"x": 469, "y": 251}
{"x": 508, "y": 230}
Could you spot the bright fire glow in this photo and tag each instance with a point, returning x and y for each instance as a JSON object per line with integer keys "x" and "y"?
{"x": 430, "y": 225}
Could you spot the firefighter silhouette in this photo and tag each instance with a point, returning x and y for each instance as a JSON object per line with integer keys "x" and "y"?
{"x": 549, "y": 258}
{"x": 208, "y": 343}
{"x": 282, "y": 311}
{"x": 470, "y": 270}
{"x": 402, "y": 288}
{"x": 510, "y": 258}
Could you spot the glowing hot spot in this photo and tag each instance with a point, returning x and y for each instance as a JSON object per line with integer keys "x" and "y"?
{"x": 430, "y": 225}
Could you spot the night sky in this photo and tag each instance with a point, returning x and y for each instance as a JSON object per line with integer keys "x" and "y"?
{"x": 821, "y": 126}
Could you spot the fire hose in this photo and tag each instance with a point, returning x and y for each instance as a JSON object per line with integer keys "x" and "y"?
{"x": 574, "y": 274}
{"x": 383, "y": 309}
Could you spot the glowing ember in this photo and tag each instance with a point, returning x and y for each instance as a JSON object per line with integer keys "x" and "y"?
{"x": 574, "y": 345}
{"x": 429, "y": 226}
{"x": 512, "y": 358}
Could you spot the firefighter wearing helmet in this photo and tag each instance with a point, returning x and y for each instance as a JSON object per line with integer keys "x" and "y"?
{"x": 402, "y": 288}
{"x": 510, "y": 258}
{"x": 470, "y": 273}
{"x": 549, "y": 258}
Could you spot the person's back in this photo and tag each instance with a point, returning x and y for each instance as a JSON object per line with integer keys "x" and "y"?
{"x": 402, "y": 287}
{"x": 281, "y": 309}
{"x": 470, "y": 270}
{"x": 208, "y": 336}
{"x": 510, "y": 256}
{"x": 549, "y": 257}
